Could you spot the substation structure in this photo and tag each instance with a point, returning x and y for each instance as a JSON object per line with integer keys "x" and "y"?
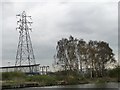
{"x": 41, "y": 70}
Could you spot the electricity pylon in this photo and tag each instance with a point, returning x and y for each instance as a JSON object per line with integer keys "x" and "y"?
{"x": 25, "y": 55}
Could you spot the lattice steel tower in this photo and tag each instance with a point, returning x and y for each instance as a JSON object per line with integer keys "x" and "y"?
{"x": 25, "y": 55}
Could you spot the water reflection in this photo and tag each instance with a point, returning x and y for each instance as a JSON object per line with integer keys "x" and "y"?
{"x": 104, "y": 86}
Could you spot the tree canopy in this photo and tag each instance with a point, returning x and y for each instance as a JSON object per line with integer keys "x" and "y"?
{"x": 78, "y": 55}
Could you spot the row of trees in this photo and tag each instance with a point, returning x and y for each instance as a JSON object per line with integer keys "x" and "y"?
{"x": 78, "y": 55}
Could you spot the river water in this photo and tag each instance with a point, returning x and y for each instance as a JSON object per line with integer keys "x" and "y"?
{"x": 88, "y": 86}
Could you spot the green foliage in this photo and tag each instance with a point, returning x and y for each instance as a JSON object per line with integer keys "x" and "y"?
{"x": 72, "y": 79}
{"x": 0, "y": 75}
{"x": 73, "y": 53}
{"x": 115, "y": 72}
{"x": 100, "y": 80}
{"x": 12, "y": 75}
{"x": 42, "y": 79}
{"x": 19, "y": 77}
{"x": 61, "y": 77}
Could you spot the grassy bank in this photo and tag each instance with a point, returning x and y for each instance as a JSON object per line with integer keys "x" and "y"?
{"x": 19, "y": 79}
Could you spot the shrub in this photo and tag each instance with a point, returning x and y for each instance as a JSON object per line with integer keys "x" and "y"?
{"x": 12, "y": 75}
{"x": 42, "y": 79}
{"x": 114, "y": 72}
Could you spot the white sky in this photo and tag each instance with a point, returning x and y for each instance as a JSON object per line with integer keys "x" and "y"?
{"x": 54, "y": 19}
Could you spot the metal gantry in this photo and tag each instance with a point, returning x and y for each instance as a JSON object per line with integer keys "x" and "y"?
{"x": 36, "y": 69}
{"x": 25, "y": 55}
{"x": 44, "y": 70}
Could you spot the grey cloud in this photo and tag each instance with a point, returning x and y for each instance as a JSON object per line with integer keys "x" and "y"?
{"x": 43, "y": 51}
{"x": 51, "y": 22}
{"x": 87, "y": 20}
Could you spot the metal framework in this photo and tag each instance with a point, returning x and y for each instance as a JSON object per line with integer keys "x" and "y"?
{"x": 24, "y": 68}
{"x": 42, "y": 70}
{"x": 25, "y": 55}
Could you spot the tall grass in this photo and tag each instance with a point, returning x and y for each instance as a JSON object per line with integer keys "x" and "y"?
{"x": 42, "y": 79}
{"x": 12, "y": 75}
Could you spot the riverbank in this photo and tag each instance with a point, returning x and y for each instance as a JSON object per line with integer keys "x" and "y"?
{"x": 16, "y": 85}
{"x": 21, "y": 80}
{"x": 103, "y": 86}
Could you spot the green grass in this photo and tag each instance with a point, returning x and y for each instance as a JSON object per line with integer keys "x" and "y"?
{"x": 42, "y": 79}
{"x": 13, "y": 78}
{"x": 13, "y": 75}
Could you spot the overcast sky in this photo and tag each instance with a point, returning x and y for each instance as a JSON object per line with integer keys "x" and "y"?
{"x": 53, "y": 20}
